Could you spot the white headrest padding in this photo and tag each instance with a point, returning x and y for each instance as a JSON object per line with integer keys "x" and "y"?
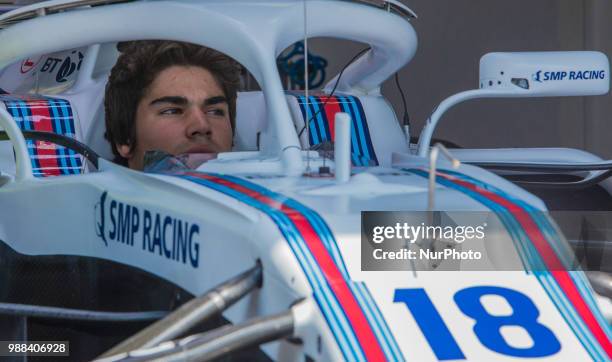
{"x": 88, "y": 102}
{"x": 251, "y": 119}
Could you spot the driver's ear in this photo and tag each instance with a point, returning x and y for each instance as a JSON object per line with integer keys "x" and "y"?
{"x": 124, "y": 150}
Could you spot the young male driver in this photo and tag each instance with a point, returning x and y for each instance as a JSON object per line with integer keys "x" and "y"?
{"x": 170, "y": 96}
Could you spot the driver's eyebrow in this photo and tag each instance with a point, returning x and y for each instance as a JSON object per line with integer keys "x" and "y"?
{"x": 181, "y": 101}
{"x": 215, "y": 100}
{"x": 178, "y": 100}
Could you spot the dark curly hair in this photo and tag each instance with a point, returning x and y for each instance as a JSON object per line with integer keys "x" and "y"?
{"x": 139, "y": 64}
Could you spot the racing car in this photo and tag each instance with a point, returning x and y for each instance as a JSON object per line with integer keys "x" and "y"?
{"x": 262, "y": 249}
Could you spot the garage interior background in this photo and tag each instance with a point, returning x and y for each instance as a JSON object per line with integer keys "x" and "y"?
{"x": 454, "y": 34}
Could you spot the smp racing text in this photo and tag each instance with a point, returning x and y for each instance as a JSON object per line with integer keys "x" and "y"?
{"x": 156, "y": 233}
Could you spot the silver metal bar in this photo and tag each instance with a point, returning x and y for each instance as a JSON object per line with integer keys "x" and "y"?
{"x": 192, "y": 313}
{"x": 306, "y": 78}
{"x": 229, "y": 339}
{"x": 601, "y": 282}
{"x": 433, "y": 159}
{"x": 217, "y": 343}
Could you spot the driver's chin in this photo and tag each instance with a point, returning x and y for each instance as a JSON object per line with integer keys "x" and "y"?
{"x": 136, "y": 162}
{"x": 201, "y": 148}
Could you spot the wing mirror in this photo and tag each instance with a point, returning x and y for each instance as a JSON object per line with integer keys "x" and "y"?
{"x": 529, "y": 74}
{"x": 546, "y": 74}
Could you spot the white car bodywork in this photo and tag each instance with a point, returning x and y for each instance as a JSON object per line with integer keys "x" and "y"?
{"x": 258, "y": 204}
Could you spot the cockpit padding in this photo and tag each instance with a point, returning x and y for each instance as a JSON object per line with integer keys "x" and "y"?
{"x": 46, "y": 114}
{"x": 375, "y": 131}
{"x": 321, "y": 110}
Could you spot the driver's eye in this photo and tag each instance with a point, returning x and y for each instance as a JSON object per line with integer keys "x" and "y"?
{"x": 216, "y": 112}
{"x": 171, "y": 111}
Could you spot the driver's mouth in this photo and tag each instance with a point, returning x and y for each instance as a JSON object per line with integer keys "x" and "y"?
{"x": 201, "y": 149}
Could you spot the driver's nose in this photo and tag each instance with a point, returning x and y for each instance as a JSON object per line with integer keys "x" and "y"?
{"x": 198, "y": 124}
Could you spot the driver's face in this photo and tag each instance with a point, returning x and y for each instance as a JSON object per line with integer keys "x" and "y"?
{"x": 184, "y": 111}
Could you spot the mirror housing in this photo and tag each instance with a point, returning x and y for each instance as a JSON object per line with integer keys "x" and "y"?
{"x": 546, "y": 74}
{"x": 529, "y": 74}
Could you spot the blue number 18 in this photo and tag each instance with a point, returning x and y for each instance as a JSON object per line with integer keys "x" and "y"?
{"x": 487, "y": 327}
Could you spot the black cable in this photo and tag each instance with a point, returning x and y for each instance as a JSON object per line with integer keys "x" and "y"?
{"x": 333, "y": 89}
{"x": 544, "y": 166}
{"x": 587, "y": 182}
{"x": 61, "y": 140}
{"x": 40, "y": 311}
{"x": 604, "y": 166}
{"x": 406, "y": 117}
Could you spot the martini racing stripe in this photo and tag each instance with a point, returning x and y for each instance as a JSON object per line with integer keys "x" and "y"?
{"x": 315, "y": 219}
{"x": 537, "y": 227}
{"x": 359, "y": 329}
{"x": 566, "y": 289}
{"x": 57, "y": 124}
{"x": 331, "y": 108}
{"x": 374, "y": 316}
{"x": 324, "y": 108}
{"x": 326, "y": 300}
{"x": 534, "y": 262}
{"x": 322, "y": 126}
{"x": 65, "y": 121}
{"x": 358, "y": 288}
{"x": 41, "y": 119}
{"x": 46, "y": 115}
{"x": 353, "y": 107}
